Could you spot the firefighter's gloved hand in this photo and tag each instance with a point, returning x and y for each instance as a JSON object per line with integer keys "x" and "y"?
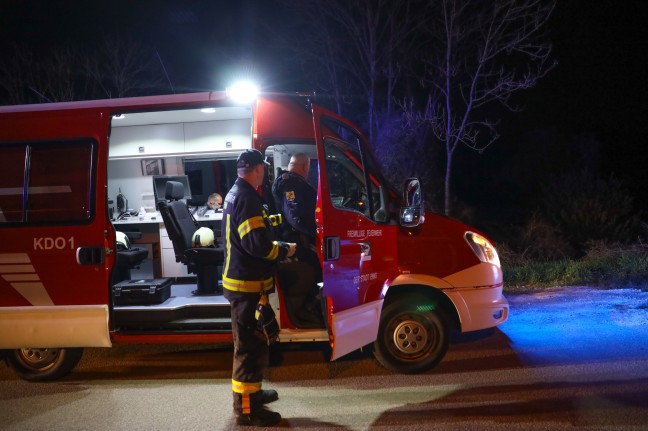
{"x": 290, "y": 260}
{"x": 291, "y": 246}
{"x": 267, "y": 327}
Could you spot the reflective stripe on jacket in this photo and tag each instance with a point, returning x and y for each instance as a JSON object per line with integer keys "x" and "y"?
{"x": 250, "y": 249}
{"x": 296, "y": 199}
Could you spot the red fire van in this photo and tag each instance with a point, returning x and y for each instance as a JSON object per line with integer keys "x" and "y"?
{"x": 77, "y": 176}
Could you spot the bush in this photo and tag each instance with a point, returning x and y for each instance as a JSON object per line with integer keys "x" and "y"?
{"x": 584, "y": 208}
{"x": 536, "y": 241}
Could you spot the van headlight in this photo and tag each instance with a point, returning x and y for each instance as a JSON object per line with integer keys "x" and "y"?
{"x": 483, "y": 249}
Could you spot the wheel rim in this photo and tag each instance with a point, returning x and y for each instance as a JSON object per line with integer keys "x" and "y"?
{"x": 411, "y": 338}
{"x": 38, "y": 359}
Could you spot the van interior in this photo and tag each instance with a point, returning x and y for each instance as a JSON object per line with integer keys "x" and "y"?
{"x": 155, "y": 289}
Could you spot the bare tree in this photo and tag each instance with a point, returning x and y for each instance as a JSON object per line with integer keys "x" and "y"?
{"x": 122, "y": 67}
{"x": 320, "y": 52}
{"x": 58, "y": 74}
{"x": 14, "y": 70}
{"x": 30, "y": 76}
{"x": 479, "y": 54}
{"x": 361, "y": 46}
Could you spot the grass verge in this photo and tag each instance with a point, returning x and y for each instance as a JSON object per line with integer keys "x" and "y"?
{"x": 600, "y": 267}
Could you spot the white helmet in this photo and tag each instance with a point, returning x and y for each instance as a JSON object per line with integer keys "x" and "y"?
{"x": 203, "y": 237}
{"x": 123, "y": 243}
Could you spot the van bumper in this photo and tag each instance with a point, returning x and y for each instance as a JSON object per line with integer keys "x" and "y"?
{"x": 479, "y": 307}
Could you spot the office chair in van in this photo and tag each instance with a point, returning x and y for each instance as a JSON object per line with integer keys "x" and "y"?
{"x": 128, "y": 257}
{"x": 180, "y": 225}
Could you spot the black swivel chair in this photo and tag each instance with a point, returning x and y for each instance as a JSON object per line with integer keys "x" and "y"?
{"x": 127, "y": 258}
{"x": 180, "y": 225}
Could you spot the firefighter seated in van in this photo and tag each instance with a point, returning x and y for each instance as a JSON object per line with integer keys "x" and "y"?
{"x": 296, "y": 199}
{"x": 214, "y": 204}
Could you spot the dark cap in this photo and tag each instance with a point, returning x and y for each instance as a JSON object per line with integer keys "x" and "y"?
{"x": 250, "y": 158}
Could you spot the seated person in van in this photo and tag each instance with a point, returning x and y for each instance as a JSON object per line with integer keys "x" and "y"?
{"x": 296, "y": 199}
{"x": 214, "y": 204}
{"x": 215, "y": 201}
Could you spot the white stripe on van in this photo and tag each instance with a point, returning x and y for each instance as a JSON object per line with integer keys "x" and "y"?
{"x": 21, "y": 277}
{"x": 6, "y": 269}
{"x": 16, "y": 269}
{"x": 14, "y": 258}
{"x": 35, "y": 293}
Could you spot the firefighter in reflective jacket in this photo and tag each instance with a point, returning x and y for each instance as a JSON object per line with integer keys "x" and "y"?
{"x": 297, "y": 200}
{"x": 250, "y": 257}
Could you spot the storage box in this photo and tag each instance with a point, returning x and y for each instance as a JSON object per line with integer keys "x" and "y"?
{"x": 148, "y": 202}
{"x": 142, "y": 292}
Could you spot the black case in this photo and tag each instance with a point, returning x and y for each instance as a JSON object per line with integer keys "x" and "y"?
{"x": 142, "y": 292}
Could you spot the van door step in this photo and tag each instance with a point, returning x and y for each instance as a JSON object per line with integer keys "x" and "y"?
{"x": 178, "y": 326}
{"x": 152, "y": 315}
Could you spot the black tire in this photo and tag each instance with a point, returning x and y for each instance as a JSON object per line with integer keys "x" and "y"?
{"x": 412, "y": 337}
{"x": 40, "y": 365}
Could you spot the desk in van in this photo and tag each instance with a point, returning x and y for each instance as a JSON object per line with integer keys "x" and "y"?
{"x": 155, "y": 237}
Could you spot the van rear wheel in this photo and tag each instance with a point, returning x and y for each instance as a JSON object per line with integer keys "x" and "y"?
{"x": 43, "y": 364}
{"x": 412, "y": 336}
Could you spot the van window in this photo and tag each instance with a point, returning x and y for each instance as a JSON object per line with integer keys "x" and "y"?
{"x": 46, "y": 182}
{"x": 354, "y": 181}
{"x": 346, "y": 177}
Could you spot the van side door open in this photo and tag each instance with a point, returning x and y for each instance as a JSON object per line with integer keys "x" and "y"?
{"x": 355, "y": 229}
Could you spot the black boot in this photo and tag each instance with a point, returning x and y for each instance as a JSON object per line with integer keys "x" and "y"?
{"x": 269, "y": 396}
{"x": 257, "y": 415}
{"x": 260, "y": 418}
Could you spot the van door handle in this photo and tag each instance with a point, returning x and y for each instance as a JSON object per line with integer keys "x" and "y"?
{"x": 332, "y": 248}
{"x": 365, "y": 251}
{"x": 90, "y": 255}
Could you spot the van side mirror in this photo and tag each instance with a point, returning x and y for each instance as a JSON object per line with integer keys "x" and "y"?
{"x": 412, "y": 205}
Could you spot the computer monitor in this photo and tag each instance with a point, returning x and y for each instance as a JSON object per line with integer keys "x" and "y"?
{"x": 159, "y": 186}
{"x": 207, "y": 176}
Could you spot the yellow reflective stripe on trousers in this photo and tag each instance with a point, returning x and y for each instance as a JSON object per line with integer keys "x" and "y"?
{"x": 245, "y": 387}
{"x": 249, "y": 224}
{"x": 247, "y": 285}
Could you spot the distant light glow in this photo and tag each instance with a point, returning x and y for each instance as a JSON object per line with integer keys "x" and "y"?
{"x": 243, "y": 92}
{"x": 208, "y": 110}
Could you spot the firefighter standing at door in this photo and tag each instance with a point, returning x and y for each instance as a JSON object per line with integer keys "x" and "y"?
{"x": 250, "y": 256}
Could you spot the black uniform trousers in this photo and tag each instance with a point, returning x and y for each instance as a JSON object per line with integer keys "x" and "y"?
{"x": 251, "y": 353}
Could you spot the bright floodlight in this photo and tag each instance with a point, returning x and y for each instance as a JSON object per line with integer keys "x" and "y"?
{"x": 243, "y": 92}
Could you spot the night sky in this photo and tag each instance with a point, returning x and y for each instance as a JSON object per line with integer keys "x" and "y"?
{"x": 599, "y": 87}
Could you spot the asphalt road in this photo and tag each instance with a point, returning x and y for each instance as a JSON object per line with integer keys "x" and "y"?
{"x": 567, "y": 359}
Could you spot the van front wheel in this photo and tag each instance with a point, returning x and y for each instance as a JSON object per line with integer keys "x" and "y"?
{"x": 412, "y": 336}
{"x": 43, "y": 364}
